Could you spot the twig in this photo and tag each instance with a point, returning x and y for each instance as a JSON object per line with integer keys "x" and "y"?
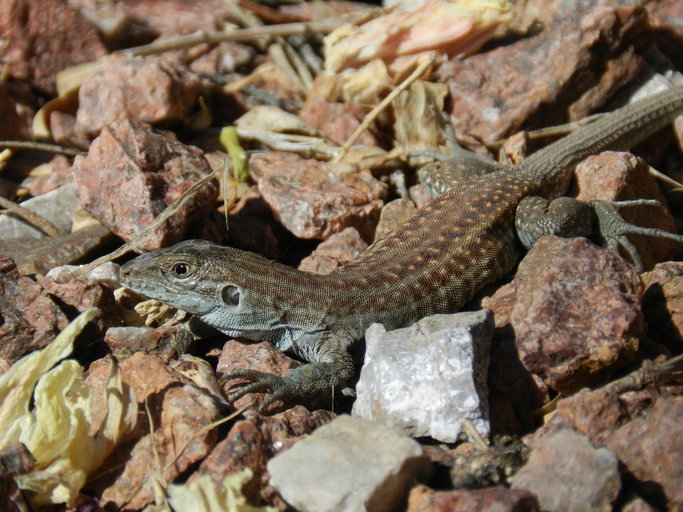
{"x": 381, "y": 106}
{"x": 244, "y": 35}
{"x": 163, "y": 216}
{"x": 669, "y": 372}
{"x": 39, "y": 146}
{"x": 32, "y": 218}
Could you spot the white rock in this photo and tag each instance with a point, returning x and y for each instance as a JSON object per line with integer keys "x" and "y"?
{"x": 349, "y": 465}
{"x": 57, "y": 207}
{"x": 426, "y": 379}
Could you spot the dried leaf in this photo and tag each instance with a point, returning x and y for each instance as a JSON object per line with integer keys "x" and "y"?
{"x": 273, "y": 119}
{"x": 201, "y": 495}
{"x": 56, "y": 432}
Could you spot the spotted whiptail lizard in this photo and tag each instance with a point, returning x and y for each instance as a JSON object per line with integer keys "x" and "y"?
{"x": 435, "y": 262}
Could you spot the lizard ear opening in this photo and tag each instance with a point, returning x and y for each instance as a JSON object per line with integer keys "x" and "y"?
{"x": 231, "y": 295}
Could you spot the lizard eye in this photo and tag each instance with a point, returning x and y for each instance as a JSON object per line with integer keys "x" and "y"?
{"x": 180, "y": 269}
{"x": 231, "y": 295}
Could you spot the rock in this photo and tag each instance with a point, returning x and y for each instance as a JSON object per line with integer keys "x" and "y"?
{"x": 311, "y": 200}
{"x": 252, "y": 442}
{"x": 614, "y": 176}
{"x": 566, "y": 472}
{"x": 339, "y": 249}
{"x": 337, "y": 121}
{"x": 146, "y": 89}
{"x": 167, "y": 343}
{"x": 495, "y": 95}
{"x": 495, "y": 499}
{"x": 180, "y": 412}
{"x": 132, "y": 173}
{"x": 651, "y": 448}
{"x": 643, "y": 429}
{"x": 31, "y": 312}
{"x": 40, "y": 255}
{"x": 472, "y": 467}
{"x": 361, "y": 465}
{"x": 54, "y": 174}
{"x": 663, "y": 303}
{"x": 39, "y": 39}
{"x": 57, "y": 207}
{"x": 576, "y": 317}
{"x": 425, "y": 380}
{"x": 393, "y": 216}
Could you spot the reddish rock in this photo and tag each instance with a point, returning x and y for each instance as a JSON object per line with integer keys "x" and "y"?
{"x": 146, "y": 89}
{"x": 311, "y": 200}
{"x": 576, "y": 317}
{"x": 337, "y": 121}
{"x": 494, "y": 94}
{"x": 419, "y": 195}
{"x": 262, "y": 357}
{"x": 180, "y": 412}
{"x": 31, "y": 309}
{"x": 613, "y": 176}
{"x": 334, "y": 252}
{"x": 663, "y": 303}
{"x": 167, "y": 343}
{"x": 252, "y": 442}
{"x": 393, "y": 216}
{"x": 651, "y": 447}
{"x": 566, "y": 472}
{"x": 132, "y": 173}
{"x": 645, "y": 435}
{"x": 60, "y": 174}
{"x": 493, "y": 499}
{"x": 38, "y": 39}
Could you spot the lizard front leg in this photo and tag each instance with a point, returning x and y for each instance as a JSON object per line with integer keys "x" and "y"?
{"x": 313, "y": 384}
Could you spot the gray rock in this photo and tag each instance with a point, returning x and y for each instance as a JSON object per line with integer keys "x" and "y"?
{"x": 566, "y": 472}
{"x": 57, "y": 207}
{"x": 349, "y": 465}
{"x": 425, "y": 380}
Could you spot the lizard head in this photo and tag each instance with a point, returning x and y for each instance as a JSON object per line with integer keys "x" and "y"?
{"x": 224, "y": 286}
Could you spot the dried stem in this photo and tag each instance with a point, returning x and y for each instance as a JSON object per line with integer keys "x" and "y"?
{"x": 39, "y": 146}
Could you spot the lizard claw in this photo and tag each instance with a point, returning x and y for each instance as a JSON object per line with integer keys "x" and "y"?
{"x": 258, "y": 382}
{"x": 613, "y": 228}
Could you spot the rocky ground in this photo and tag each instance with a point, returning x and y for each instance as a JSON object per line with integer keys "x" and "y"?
{"x": 564, "y": 393}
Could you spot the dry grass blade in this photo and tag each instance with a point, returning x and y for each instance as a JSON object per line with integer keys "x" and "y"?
{"x": 39, "y": 146}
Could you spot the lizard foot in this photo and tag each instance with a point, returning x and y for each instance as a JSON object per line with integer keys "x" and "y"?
{"x": 312, "y": 384}
{"x": 613, "y": 228}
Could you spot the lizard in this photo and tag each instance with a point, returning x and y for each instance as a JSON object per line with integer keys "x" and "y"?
{"x": 466, "y": 238}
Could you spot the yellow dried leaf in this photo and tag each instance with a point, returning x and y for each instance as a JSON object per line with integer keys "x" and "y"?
{"x": 56, "y": 431}
{"x": 201, "y": 495}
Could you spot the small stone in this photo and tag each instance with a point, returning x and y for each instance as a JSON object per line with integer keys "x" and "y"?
{"x": 494, "y": 94}
{"x": 180, "y": 412}
{"x": 339, "y": 249}
{"x": 39, "y": 39}
{"x": 57, "y": 207}
{"x": 146, "y": 89}
{"x": 41, "y": 255}
{"x": 167, "y": 343}
{"x": 132, "y": 173}
{"x": 566, "y": 472}
{"x": 393, "y": 216}
{"x": 494, "y": 499}
{"x": 577, "y": 313}
{"x": 337, "y": 121}
{"x": 663, "y": 303}
{"x": 252, "y": 442}
{"x": 53, "y": 175}
{"x": 361, "y": 465}
{"x": 312, "y": 201}
{"x": 427, "y": 379}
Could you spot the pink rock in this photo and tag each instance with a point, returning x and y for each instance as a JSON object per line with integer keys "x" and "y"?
{"x": 132, "y": 173}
